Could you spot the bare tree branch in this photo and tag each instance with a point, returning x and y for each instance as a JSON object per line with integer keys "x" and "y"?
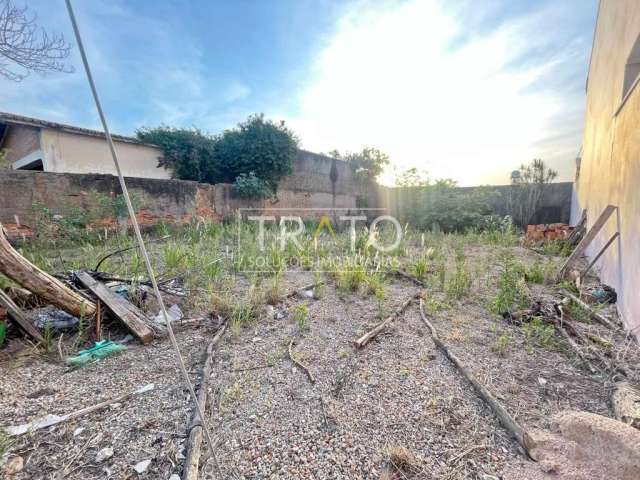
{"x": 25, "y": 47}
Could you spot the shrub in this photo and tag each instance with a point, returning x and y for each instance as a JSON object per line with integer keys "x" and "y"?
{"x": 257, "y": 145}
{"x": 250, "y": 186}
{"x": 512, "y": 292}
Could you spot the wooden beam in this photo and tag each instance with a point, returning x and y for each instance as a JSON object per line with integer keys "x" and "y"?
{"x": 19, "y": 317}
{"x": 125, "y": 311}
{"x": 588, "y": 238}
{"x": 600, "y": 253}
{"x": 50, "y": 289}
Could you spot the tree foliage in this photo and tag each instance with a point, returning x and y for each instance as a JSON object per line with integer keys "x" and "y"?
{"x": 257, "y": 148}
{"x": 528, "y": 186}
{"x": 25, "y": 47}
{"x": 412, "y": 177}
{"x": 368, "y": 163}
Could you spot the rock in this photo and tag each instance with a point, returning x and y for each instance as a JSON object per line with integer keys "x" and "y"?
{"x": 308, "y": 293}
{"x": 14, "y": 465}
{"x": 78, "y": 431}
{"x": 104, "y": 454}
{"x": 269, "y": 311}
{"x": 587, "y": 446}
{"x": 142, "y": 466}
{"x": 175, "y": 476}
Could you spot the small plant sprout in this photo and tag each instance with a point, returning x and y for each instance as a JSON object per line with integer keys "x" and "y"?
{"x": 301, "y": 316}
{"x": 501, "y": 344}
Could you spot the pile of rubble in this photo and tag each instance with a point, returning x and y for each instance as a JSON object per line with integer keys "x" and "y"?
{"x": 552, "y": 231}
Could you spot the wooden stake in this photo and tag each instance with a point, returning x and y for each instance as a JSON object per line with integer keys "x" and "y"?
{"x": 23, "y": 272}
{"x": 194, "y": 442}
{"x": 367, "y": 337}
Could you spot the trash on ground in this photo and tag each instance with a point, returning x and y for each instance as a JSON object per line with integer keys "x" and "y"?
{"x": 173, "y": 313}
{"x": 99, "y": 350}
{"x": 55, "y": 320}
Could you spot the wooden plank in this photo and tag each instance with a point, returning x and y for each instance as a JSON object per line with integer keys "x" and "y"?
{"x": 600, "y": 253}
{"x": 19, "y": 317}
{"x": 588, "y": 238}
{"x": 126, "y": 312}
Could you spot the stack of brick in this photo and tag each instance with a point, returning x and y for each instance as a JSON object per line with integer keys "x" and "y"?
{"x": 552, "y": 231}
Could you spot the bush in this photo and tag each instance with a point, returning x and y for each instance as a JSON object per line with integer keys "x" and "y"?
{"x": 250, "y": 186}
{"x": 257, "y": 145}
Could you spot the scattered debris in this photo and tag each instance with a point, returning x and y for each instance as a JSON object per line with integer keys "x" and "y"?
{"x": 194, "y": 441}
{"x": 99, "y": 350}
{"x": 125, "y": 311}
{"x": 49, "y": 420}
{"x": 55, "y": 320}
{"x": 367, "y": 337}
{"x": 18, "y": 316}
{"x": 26, "y": 274}
{"x": 173, "y": 313}
{"x": 503, "y": 415}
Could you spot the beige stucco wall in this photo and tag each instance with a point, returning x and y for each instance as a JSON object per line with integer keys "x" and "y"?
{"x": 74, "y": 153}
{"x": 610, "y": 166}
{"x": 21, "y": 141}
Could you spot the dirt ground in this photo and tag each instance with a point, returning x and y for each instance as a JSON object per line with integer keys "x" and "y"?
{"x": 270, "y": 421}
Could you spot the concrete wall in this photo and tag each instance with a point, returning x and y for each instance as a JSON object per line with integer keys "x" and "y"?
{"x": 73, "y": 153}
{"x": 610, "y": 166}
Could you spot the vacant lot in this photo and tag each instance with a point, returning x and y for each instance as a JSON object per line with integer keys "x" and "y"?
{"x": 396, "y": 408}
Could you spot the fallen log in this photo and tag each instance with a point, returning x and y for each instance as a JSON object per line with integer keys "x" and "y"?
{"x": 194, "y": 441}
{"x": 26, "y": 274}
{"x": 367, "y": 337}
{"x": 125, "y": 311}
{"x": 299, "y": 364}
{"x": 625, "y": 401}
{"x": 50, "y": 420}
{"x": 507, "y": 421}
{"x": 19, "y": 317}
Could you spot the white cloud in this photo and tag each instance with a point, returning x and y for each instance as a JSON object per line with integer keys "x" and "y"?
{"x": 389, "y": 78}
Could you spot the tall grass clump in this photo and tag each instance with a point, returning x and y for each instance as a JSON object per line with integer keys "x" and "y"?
{"x": 512, "y": 290}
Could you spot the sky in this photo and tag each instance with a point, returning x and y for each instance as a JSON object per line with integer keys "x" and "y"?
{"x": 461, "y": 89}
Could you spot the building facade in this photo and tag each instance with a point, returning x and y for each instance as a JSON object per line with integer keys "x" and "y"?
{"x": 608, "y": 171}
{"x": 33, "y": 144}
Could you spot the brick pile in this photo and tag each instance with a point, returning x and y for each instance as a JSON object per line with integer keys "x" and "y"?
{"x": 552, "y": 231}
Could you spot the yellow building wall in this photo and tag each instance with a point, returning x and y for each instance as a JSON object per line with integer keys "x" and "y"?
{"x": 73, "y": 153}
{"x": 610, "y": 167}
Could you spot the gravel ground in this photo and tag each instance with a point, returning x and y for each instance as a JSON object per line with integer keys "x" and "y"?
{"x": 270, "y": 421}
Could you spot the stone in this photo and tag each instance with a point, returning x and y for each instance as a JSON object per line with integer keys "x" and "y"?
{"x": 142, "y": 466}
{"x": 14, "y": 465}
{"x": 104, "y": 454}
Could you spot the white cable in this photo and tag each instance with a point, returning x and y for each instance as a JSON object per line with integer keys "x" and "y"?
{"x": 136, "y": 229}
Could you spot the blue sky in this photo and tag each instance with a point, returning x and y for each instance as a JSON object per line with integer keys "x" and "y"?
{"x": 466, "y": 89}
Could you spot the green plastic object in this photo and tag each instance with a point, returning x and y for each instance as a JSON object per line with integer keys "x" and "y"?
{"x": 3, "y": 331}
{"x": 99, "y": 350}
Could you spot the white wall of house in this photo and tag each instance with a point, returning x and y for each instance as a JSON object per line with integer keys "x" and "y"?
{"x": 76, "y": 153}
{"x": 610, "y": 167}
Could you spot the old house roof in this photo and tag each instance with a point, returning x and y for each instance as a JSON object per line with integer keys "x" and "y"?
{"x": 13, "y": 119}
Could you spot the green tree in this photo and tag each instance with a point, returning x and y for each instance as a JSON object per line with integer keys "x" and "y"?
{"x": 368, "y": 164}
{"x": 412, "y": 178}
{"x": 528, "y": 186}
{"x": 257, "y": 145}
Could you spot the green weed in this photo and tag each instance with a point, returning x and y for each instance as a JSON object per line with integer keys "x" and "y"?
{"x": 539, "y": 334}
{"x": 501, "y": 344}
{"x": 512, "y": 292}
{"x": 301, "y": 316}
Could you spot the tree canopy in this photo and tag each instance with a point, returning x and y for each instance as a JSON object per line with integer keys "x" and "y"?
{"x": 258, "y": 147}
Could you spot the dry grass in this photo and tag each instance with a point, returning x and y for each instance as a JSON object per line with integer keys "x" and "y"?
{"x": 401, "y": 462}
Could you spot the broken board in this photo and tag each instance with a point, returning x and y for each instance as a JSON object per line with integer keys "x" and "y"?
{"x": 125, "y": 311}
{"x": 19, "y": 317}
